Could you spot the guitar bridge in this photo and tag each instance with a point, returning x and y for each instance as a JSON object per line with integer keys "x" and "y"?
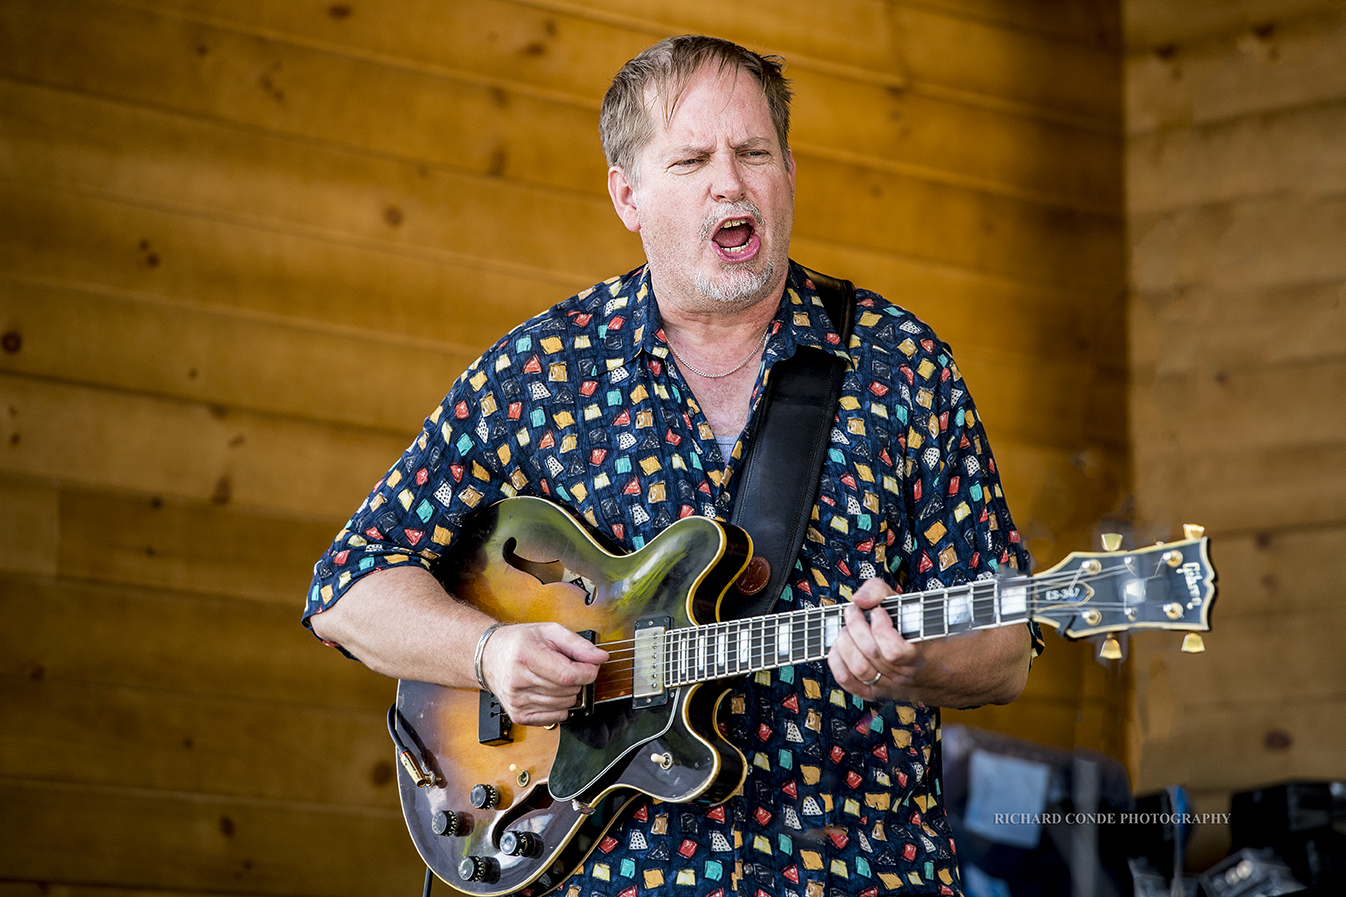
{"x": 492, "y": 722}
{"x": 647, "y": 679}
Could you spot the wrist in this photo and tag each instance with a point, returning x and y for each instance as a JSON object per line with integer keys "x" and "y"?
{"x": 481, "y": 653}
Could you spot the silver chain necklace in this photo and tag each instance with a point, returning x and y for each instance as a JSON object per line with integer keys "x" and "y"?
{"x": 738, "y": 367}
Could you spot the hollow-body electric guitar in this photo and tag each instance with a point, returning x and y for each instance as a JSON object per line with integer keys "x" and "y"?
{"x": 496, "y": 808}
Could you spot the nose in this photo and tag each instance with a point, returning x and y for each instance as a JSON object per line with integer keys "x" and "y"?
{"x": 727, "y": 184}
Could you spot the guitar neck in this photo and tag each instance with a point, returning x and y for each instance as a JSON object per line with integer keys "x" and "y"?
{"x": 690, "y": 655}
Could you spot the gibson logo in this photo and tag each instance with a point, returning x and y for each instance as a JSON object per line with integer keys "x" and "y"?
{"x": 1191, "y": 574}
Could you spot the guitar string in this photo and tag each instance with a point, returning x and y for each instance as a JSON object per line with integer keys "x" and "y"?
{"x": 916, "y": 601}
{"x": 919, "y": 601}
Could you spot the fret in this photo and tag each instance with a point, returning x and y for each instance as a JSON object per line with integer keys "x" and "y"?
{"x": 959, "y": 609}
{"x": 784, "y": 641}
{"x": 831, "y": 630}
{"x": 909, "y": 616}
{"x": 683, "y": 671}
{"x": 744, "y": 647}
{"x": 799, "y": 642}
{"x": 985, "y": 609}
{"x": 680, "y": 665}
{"x": 671, "y": 657}
{"x": 1014, "y": 600}
{"x": 722, "y": 649}
{"x": 689, "y": 656}
{"x": 934, "y": 623}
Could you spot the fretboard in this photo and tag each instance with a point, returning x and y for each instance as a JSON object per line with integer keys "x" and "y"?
{"x": 675, "y": 657}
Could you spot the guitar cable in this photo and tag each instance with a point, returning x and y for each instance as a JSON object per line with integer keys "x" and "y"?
{"x": 402, "y": 752}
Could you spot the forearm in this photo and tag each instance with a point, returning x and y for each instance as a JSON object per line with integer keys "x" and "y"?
{"x": 985, "y": 667}
{"x": 401, "y": 622}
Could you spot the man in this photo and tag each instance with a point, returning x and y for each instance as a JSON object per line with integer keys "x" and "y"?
{"x": 631, "y": 404}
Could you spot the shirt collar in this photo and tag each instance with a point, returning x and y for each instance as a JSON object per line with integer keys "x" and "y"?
{"x": 630, "y": 324}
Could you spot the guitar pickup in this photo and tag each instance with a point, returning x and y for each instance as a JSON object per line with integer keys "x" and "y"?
{"x": 584, "y": 701}
{"x": 647, "y": 680}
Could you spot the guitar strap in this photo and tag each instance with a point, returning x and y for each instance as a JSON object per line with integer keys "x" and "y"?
{"x": 779, "y": 478}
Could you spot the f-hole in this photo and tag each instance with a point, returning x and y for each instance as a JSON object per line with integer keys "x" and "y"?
{"x": 543, "y": 571}
{"x": 546, "y": 571}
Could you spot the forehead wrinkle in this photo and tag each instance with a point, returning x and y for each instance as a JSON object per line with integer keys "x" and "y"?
{"x": 672, "y": 99}
{"x": 702, "y": 142}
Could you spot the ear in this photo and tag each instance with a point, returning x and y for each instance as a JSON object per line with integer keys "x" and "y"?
{"x": 790, "y": 167}
{"x": 623, "y": 199}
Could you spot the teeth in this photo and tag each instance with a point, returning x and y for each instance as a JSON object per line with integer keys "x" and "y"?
{"x": 735, "y": 222}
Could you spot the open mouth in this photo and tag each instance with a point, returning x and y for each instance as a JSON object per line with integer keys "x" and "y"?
{"x": 736, "y": 239}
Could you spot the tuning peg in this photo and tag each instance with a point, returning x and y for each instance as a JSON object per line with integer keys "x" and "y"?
{"x": 1193, "y": 643}
{"x": 1111, "y": 650}
{"x": 1193, "y": 531}
{"x": 1112, "y": 541}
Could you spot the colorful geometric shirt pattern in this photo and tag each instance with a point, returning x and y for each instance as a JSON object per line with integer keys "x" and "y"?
{"x": 585, "y": 405}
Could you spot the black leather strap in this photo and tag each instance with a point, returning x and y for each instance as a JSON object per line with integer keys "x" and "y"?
{"x": 779, "y": 478}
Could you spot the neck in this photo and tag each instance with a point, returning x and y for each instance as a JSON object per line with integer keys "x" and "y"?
{"x": 685, "y": 307}
{"x": 661, "y": 658}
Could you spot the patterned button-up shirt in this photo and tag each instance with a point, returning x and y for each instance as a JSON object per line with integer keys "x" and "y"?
{"x": 585, "y": 405}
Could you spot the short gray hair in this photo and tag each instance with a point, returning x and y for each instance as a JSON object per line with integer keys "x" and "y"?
{"x": 625, "y": 123}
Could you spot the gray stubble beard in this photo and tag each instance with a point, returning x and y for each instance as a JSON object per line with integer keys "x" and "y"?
{"x": 742, "y": 287}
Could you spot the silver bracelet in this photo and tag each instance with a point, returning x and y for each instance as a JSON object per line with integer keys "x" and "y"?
{"x": 481, "y": 649}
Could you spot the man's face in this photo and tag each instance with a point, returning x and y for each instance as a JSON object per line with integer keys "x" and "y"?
{"x": 714, "y": 199}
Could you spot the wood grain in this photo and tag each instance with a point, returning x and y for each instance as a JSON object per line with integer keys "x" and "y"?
{"x": 190, "y": 643}
{"x": 246, "y": 247}
{"x": 199, "y": 842}
{"x": 158, "y": 739}
{"x": 1238, "y": 364}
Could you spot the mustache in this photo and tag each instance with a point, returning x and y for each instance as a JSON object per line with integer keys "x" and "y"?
{"x": 741, "y": 209}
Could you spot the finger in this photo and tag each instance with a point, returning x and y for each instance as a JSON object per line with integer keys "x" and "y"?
{"x": 858, "y": 632}
{"x": 872, "y": 593}
{"x": 850, "y": 655}
{"x": 576, "y": 647}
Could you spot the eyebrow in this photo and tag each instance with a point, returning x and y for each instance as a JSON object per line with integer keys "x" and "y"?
{"x": 689, "y": 149}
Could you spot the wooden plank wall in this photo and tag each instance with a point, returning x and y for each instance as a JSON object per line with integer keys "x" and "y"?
{"x": 245, "y": 247}
{"x": 1236, "y": 201}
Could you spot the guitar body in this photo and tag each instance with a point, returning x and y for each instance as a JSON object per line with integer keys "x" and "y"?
{"x": 556, "y": 790}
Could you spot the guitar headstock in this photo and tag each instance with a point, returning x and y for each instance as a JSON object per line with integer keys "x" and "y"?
{"x": 1165, "y": 586}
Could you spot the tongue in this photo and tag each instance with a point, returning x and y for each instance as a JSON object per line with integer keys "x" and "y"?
{"x": 731, "y": 237}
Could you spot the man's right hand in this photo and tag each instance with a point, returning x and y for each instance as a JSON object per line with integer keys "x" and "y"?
{"x": 535, "y": 670}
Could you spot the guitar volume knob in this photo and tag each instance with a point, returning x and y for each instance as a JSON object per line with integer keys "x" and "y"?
{"x": 521, "y": 844}
{"x": 446, "y": 823}
{"x": 473, "y": 868}
{"x": 485, "y": 797}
